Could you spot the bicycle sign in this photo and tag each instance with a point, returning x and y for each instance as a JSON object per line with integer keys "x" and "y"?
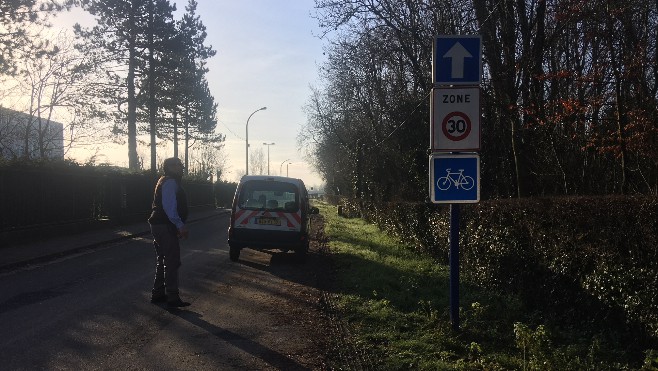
{"x": 455, "y": 119}
{"x": 455, "y": 178}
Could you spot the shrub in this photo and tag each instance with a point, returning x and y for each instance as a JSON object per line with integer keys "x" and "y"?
{"x": 589, "y": 259}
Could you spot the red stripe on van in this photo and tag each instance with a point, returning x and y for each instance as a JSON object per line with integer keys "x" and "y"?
{"x": 294, "y": 219}
{"x": 242, "y": 216}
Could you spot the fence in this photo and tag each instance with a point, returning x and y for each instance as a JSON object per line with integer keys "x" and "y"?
{"x": 36, "y": 199}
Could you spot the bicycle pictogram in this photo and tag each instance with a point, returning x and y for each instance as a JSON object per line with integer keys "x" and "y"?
{"x": 456, "y": 178}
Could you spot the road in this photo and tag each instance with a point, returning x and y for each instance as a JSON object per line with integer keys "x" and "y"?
{"x": 92, "y": 310}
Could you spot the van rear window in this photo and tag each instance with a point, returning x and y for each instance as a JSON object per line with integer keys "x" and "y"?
{"x": 269, "y": 195}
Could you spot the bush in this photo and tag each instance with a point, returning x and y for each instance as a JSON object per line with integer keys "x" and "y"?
{"x": 224, "y": 192}
{"x": 575, "y": 259}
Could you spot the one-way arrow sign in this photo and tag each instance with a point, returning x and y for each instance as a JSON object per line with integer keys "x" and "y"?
{"x": 458, "y": 55}
{"x": 457, "y": 60}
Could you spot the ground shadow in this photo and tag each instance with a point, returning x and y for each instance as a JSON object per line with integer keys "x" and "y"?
{"x": 270, "y": 356}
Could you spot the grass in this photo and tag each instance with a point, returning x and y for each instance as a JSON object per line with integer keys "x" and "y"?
{"x": 396, "y": 302}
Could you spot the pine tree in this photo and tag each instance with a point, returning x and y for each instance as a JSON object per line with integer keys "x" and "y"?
{"x": 119, "y": 28}
{"x": 160, "y": 30}
{"x": 15, "y": 18}
{"x": 186, "y": 93}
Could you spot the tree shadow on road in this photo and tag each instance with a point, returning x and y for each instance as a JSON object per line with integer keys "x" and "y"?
{"x": 270, "y": 356}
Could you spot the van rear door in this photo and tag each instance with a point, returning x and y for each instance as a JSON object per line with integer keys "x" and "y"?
{"x": 268, "y": 205}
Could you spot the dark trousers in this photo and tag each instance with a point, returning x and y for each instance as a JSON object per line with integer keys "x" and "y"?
{"x": 167, "y": 251}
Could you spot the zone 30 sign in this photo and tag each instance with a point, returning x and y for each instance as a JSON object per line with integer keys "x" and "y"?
{"x": 455, "y": 119}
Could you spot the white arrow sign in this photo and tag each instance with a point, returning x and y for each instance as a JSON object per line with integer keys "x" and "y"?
{"x": 456, "y": 60}
{"x": 457, "y": 54}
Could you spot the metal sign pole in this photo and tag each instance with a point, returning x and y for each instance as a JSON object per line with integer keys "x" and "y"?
{"x": 454, "y": 266}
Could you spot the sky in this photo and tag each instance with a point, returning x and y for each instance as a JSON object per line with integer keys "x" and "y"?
{"x": 268, "y": 55}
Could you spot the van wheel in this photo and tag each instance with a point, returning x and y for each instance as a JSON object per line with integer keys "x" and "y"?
{"x": 234, "y": 253}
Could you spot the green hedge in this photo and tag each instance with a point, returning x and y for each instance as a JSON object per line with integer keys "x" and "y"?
{"x": 61, "y": 197}
{"x": 224, "y": 192}
{"x": 574, "y": 258}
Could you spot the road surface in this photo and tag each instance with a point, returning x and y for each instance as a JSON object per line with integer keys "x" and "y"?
{"x": 92, "y": 311}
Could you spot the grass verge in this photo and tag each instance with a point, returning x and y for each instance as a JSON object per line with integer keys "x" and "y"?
{"x": 396, "y": 303}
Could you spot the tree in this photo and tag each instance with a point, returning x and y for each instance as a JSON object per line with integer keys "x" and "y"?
{"x": 16, "y": 16}
{"x": 160, "y": 29}
{"x": 120, "y": 31}
{"x": 370, "y": 120}
{"x": 208, "y": 162}
{"x": 569, "y": 95}
{"x": 186, "y": 104}
{"x": 257, "y": 161}
{"x": 49, "y": 81}
{"x": 198, "y": 107}
{"x": 601, "y": 96}
{"x": 58, "y": 84}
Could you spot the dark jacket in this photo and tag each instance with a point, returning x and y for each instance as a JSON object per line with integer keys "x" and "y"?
{"x": 158, "y": 215}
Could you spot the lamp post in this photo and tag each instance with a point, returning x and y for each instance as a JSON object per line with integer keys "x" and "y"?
{"x": 281, "y": 166}
{"x": 246, "y": 168}
{"x": 287, "y": 168}
{"x": 268, "y": 156}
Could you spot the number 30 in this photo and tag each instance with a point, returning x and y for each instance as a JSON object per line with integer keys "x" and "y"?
{"x": 458, "y": 126}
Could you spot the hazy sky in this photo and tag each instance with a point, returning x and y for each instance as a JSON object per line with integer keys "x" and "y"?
{"x": 268, "y": 54}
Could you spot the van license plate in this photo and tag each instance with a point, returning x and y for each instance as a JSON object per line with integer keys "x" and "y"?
{"x": 263, "y": 220}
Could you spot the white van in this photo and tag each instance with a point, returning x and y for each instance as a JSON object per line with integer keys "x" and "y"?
{"x": 270, "y": 212}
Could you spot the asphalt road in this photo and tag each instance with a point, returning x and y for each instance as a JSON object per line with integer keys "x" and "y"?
{"x": 92, "y": 310}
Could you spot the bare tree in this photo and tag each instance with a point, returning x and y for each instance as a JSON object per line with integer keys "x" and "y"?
{"x": 569, "y": 95}
{"x": 208, "y": 161}
{"x": 57, "y": 87}
{"x": 376, "y": 98}
{"x": 257, "y": 162}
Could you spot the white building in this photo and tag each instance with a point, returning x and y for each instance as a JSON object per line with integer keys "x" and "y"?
{"x": 27, "y": 136}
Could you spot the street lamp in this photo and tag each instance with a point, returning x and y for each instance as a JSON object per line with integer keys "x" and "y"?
{"x": 281, "y": 166}
{"x": 268, "y": 156}
{"x": 247, "y": 140}
{"x": 287, "y": 168}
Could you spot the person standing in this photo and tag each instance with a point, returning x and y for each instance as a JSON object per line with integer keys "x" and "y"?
{"x": 167, "y": 221}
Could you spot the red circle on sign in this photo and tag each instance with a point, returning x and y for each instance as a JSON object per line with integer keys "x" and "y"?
{"x": 449, "y": 119}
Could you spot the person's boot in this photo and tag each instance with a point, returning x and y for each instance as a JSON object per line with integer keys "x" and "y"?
{"x": 175, "y": 302}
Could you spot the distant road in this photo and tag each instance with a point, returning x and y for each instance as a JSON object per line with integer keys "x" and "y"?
{"x": 92, "y": 310}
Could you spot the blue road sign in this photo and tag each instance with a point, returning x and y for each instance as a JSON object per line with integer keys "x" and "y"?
{"x": 457, "y": 60}
{"x": 454, "y": 178}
